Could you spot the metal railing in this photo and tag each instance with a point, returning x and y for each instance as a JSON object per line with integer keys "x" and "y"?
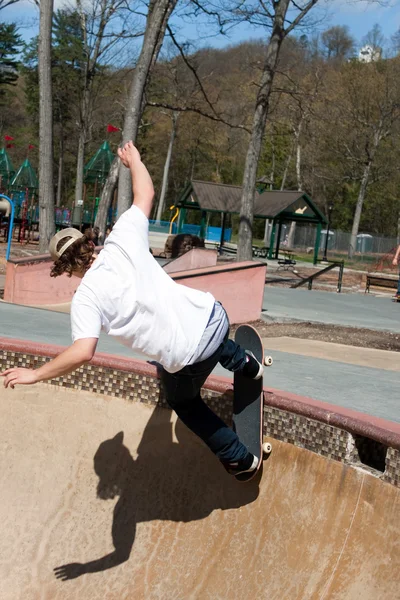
{"x": 309, "y": 280}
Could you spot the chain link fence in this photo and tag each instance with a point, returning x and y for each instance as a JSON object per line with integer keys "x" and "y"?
{"x": 369, "y": 247}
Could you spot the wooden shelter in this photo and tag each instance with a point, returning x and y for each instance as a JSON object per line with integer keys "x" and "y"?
{"x": 279, "y": 206}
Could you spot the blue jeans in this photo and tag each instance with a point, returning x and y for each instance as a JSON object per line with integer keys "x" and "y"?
{"x": 182, "y": 390}
{"x": 398, "y": 286}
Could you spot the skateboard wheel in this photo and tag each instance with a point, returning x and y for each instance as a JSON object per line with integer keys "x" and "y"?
{"x": 268, "y": 360}
{"x": 267, "y": 448}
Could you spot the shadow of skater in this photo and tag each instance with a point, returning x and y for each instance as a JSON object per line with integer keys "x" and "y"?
{"x": 169, "y": 480}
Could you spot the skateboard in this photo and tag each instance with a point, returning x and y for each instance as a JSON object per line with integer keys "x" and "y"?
{"x": 248, "y": 400}
{"x": 396, "y": 298}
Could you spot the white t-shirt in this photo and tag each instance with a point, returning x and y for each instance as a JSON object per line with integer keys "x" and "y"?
{"x": 129, "y": 296}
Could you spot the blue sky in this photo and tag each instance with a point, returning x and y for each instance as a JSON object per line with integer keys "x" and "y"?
{"x": 358, "y": 15}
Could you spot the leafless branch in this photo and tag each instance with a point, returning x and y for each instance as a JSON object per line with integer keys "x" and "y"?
{"x": 199, "y": 112}
{"x": 191, "y": 68}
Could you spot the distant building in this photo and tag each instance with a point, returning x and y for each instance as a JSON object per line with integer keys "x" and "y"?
{"x": 369, "y": 54}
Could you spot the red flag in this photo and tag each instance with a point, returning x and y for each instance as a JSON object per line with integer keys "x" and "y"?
{"x": 8, "y": 138}
{"x": 10, "y": 145}
{"x": 111, "y": 128}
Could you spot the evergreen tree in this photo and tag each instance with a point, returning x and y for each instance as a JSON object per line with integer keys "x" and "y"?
{"x": 10, "y": 42}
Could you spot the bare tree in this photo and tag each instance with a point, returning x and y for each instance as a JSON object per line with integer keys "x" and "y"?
{"x": 164, "y": 185}
{"x": 158, "y": 15}
{"x": 99, "y": 36}
{"x": 359, "y": 118}
{"x": 274, "y": 15}
{"x": 338, "y": 42}
{"x": 157, "y": 21}
{"x": 46, "y": 188}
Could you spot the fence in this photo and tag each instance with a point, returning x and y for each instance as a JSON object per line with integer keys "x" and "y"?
{"x": 368, "y": 246}
{"x": 213, "y": 234}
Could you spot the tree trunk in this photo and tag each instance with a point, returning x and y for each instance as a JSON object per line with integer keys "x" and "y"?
{"x": 106, "y": 198}
{"x": 292, "y": 230}
{"x": 157, "y": 20}
{"x": 259, "y": 121}
{"x": 80, "y": 163}
{"x": 46, "y": 189}
{"x": 398, "y": 230}
{"x": 164, "y": 185}
{"x": 286, "y": 171}
{"x": 359, "y": 206}
{"x": 267, "y": 229}
{"x": 60, "y": 170}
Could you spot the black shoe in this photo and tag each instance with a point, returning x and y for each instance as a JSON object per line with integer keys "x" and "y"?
{"x": 252, "y": 369}
{"x": 248, "y": 464}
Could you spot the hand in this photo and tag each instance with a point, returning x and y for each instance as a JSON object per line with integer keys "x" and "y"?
{"x": 71, "y": 571}
{"x": 128, "y": 154}
{"x": 395, "y": 261}
{"x": 19, "y": 376}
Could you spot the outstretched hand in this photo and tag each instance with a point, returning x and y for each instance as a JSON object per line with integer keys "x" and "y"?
{"x": 19, "y": 376}
{"x": 128, "y": 154}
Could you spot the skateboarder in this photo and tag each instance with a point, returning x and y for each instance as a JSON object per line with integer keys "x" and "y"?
{"x": 395, "y": 263}
{"x": 126, "y": 293}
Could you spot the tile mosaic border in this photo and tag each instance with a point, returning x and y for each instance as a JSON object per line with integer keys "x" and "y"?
{"x": 298, "y": 424}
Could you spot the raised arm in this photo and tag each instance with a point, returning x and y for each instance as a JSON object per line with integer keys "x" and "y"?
{"x": 142, "y": 185}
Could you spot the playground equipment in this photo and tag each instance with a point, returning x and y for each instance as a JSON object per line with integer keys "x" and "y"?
{"x": 7, "y": 205}
{"x": 95, "y": 174}
{"x": 176, "y": 215}
{"x": 23, "y": 190}
{"x": 6, "y": 169}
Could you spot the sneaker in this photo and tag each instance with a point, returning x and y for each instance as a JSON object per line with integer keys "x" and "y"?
{"x": 252, "y": 369}
{"x": 248, "y": 464}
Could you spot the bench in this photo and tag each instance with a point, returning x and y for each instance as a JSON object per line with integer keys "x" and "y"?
{"x": 380, "y": 281}
{"x": 260, "y": 252}
{"x": 257, "y": 252}
{"x": 286, "y": 263}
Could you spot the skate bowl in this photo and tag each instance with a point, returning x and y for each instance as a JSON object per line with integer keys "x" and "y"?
{"x": 104, "y": 495}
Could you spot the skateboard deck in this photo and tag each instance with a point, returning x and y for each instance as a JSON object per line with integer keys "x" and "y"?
{"x": 248, "y": 400}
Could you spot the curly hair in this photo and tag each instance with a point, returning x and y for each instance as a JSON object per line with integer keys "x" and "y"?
{"x": 78, "y": 257}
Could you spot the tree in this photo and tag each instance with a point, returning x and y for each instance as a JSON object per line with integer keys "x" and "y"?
{"x": 10, "y": 42}
{"x": 161, "y": 201}
{"x": 97, "y": 34}
{"x": 274, "y": 16}
{"x": 159, "y": 12}
{"x": 67, "y": 58}
{"x": 158, "y": 16}
{"x": 46, "y": 189}
{"x": 396, "y": 42}
{"x": 360, "y": 115}
{"x": 375, "y": 39}
{"x": 338, "y": 42}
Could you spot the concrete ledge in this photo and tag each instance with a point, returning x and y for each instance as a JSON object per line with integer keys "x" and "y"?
{"x": 197, "y": 258}
{"x": 238, "y": 286}
{"x": 28, "y": 282}
{"x": 385, "y": 432}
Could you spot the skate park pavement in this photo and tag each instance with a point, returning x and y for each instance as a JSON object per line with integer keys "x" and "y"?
{"x": 357, "y": 378}
{"x": 351, "y": 310}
